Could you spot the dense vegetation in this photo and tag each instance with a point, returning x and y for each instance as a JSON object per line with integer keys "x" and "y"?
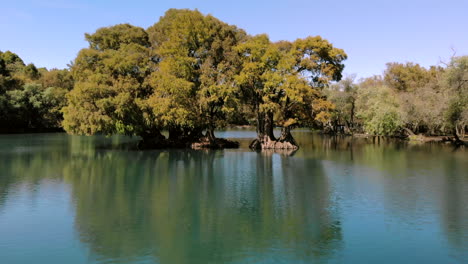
{"x": 407, "y": 100}
{"x": 31, "y": 98}
{"x": 190, "y": 74}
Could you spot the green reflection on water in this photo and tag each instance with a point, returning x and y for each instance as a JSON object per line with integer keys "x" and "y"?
{"x": 236, "y": 206}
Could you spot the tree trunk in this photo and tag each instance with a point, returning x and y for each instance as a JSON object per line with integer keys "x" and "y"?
{"x": 349, "y": 128}
{"x": 286, "y": 136}
{"x": 352, "y": 117}
{"x": 269, "y": 126}
{"x": 458, "y": 141}
{"x": 210, "y": 135}
{"x": 260, "y": 124}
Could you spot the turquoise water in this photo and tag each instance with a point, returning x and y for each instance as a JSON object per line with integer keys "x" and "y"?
{"x": 71, "y": 199}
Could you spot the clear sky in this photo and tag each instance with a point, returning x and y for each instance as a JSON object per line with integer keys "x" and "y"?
{"x": 50, "y": 33}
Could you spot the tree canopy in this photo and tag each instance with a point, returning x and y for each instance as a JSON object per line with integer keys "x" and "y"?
{"x": 283, "y": 81}
{"x": 109, "y": 82}
{"x": 30, "y": 99}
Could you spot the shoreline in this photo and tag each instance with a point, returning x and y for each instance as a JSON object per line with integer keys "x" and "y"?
{"x": 224, "y": 143}
{"x": 448, "y": 139}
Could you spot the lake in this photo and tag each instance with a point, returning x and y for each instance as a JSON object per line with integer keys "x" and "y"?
{"x": 76, "y": 199}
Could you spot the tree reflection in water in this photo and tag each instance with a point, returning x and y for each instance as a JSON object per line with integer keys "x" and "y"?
{"x": 202, "y": 206}
{"x": 239, "y": 206}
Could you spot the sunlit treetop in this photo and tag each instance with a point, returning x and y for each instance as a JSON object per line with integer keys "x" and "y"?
{"x": 114, "y": 37}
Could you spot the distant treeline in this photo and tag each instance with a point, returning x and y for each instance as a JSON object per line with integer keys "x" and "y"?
{"x": 190, "y": 74}
{"x": 406, "y": 100}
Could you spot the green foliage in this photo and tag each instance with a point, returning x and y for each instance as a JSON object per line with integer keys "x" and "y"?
{"x": 405, "y": 77}
{"x": 421, "y": 100}
{"x": 258, "y": 78}
{"x": 191, "y": 72}
{"x": 57, "y": 78}
{"x": 32, "y": 107}
{"x": 423, "y": 108}
{"x": 31, "y": 72}
{"x": 283, "y": 80}
{"x": 343, "y": 95}
{"x": 412, "y": 99}
{"x": 456, "y": 76}
{"x": 12, "y": 61}
{"x": 176, "y": 77}
{"x": 378, "y": 107}
{"x": 197, "y": 52}
{"x": 3, "y": 70}
{"x": 27, "y": 100}
{"x": 319, "y": 60}
{"x": 456, "y": 84}
{"x": 53, "y": 100}
{"x": 114, "y": 37}
{"x": 109, "y": 80}
{"x": 386, "y": 122}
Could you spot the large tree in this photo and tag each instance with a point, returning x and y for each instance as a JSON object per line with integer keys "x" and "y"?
{"x": 110, "y": 83}
{"x": 343, "y": 95}
{"x": 193, "y": 72}
{"x": 283, "y": 81}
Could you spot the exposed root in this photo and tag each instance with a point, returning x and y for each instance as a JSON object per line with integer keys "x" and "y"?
{"x": 267, "y": 143}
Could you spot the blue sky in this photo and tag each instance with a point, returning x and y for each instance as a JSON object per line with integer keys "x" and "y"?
{"x": 50, "y": 33}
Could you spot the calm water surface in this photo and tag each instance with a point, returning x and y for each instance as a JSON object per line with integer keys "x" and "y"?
{"x": 71, "y": 199}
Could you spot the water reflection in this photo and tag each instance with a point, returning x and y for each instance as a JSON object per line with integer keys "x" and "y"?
{"x": 201, "y": 207}
{"x": 454, "y": 205}
{"x": 238, "y": 206}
